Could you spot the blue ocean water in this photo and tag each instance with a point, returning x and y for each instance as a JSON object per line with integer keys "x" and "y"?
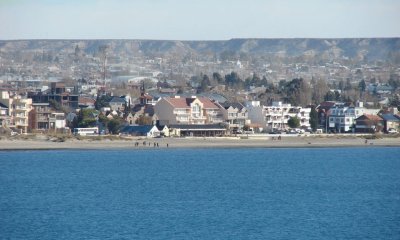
{"x": 339, "y": 193}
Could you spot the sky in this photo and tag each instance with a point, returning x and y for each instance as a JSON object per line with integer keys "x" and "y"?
{"x": 198, "y": 19}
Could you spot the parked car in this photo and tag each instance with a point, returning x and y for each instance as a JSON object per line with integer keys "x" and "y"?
{"x": 392, "y": 130}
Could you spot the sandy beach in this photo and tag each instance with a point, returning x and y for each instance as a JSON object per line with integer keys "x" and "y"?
{"x": 45, "y": 143}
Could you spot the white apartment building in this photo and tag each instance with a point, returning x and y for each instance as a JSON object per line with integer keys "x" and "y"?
{"x": 194, "y": 110}
{"x": 277, "y": 115}
{"x": 18, "y": 110}
{"x": 342, "y": 116}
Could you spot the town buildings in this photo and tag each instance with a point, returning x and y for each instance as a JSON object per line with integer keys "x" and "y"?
{"x": 18, "y": 110}
{"x": 277, "y": 115}
{"x": 235, "y": 115}
{"x": 342, "y": 116}
{"x": 194, "y": 110}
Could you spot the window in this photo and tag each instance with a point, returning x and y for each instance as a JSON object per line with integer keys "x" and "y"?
{"x": 196, "y": 109}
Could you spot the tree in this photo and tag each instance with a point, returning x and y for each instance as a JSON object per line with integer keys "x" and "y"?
{"x": 320, "y": 88}
{"x": 205, "y": 83}
{"x": 348, "y": 85}
{"x": 233, "y": 79}
{"x": 294, "y": 122}
{"x": 144, "y": 120}
{"x": 314, "y": 119}
{"x": 57, "y": 106}
{"x": 217, "y": 77}
{"x": 85, "y": 118}
{"x": 114, "y": 125}
{"x": 362, "y": 86}
{"x": 102, "y": 101}
{"x": 329, "y": 96}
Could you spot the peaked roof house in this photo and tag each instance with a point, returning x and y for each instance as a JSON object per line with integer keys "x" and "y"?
{"x": 234, "y": 114}
{"x": 144, "y": 130}
{"x": 390, "y": 121}
{"x": 194, "y": 110}
{"x": 368, "y": 123}
{"x": 117, "y": 104}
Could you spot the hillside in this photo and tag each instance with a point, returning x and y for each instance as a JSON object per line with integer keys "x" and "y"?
{"x": 371, "y": 48}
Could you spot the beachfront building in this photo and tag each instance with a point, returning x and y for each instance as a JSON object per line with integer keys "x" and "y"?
{"x": 143, "y": 130}
{"x": 391, "y": 121}
{"x": 342, "y": 116}
{"x": 18, "y": 110}
{"x": 235, "y": 115}
{"x": 4, "y": 116}
{"x": 193, "y": 110}
{"x": 59, "y": 93}
{"x": 368, "y": 123}
{"x": 277, "y": 115}
{"x": 44, "y": 118}
{"x": 324, "y": 110}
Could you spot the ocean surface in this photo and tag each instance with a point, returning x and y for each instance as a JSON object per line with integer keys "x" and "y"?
{"x": 338, "y": 193}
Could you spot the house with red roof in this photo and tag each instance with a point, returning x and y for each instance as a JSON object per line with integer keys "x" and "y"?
{"x": 369, "y": 123}
{"x": 191, "y": 110}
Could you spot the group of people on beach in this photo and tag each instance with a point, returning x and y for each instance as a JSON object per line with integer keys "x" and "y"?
{"x": 155, "y": 144}
{"x": 278, "y": 138}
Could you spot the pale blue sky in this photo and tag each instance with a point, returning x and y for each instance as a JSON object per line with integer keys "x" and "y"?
{"x": 198, "y": 19}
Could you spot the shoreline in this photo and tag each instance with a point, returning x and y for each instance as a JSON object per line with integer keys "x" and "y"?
{"x": 205, "y": 143}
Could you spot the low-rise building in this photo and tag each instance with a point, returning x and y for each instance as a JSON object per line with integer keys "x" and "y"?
{"x": 368, "y": 123}
{"x": 194, "y": 110}
{"x": 44, "y": 118}
{"x": 117, "y": 104}
{"x": 235, "y": 115}
{"x": 390, "y": 121}
{"x": 342, "y": 116}
{"x": 277, "y": 115}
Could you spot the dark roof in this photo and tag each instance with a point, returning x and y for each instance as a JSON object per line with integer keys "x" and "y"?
{"x": 226, "y": 105}
{"x": 390, "y": 117}
{"x": 137, "y": 108}
{"x": 197, "y": 126}
{"x": 117, "y": 100}
{"x": 144, "y": 129}
{"x": 149, "y": 109}
{"x": 3, "y": 106}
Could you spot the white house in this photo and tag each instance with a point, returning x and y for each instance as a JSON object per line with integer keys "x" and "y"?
{"x": 342, "y": 116}
{"x": 277, "y": 115}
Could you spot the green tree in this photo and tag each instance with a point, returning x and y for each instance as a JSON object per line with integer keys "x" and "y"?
{"x": 294, "y": 122}
{"x": 85, "y": 118}
{"x": 314, "y": 119}
{"x": 102, "y": 101}
{"x": 114, "y": 125}
{"x": 362, "y": 86}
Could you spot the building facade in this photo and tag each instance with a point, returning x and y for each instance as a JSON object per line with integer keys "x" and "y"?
{"x": 177, "y": 110}
{"x": 18, "y": 110}
{"x": 235, "y": 115}
{"x": 277, "y": 115}
{"x": 342, "y": 116}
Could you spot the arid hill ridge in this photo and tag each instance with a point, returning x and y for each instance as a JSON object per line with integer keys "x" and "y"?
{"x": 371, "y": 48}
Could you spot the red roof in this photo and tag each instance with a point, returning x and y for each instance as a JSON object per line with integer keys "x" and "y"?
{"x": 373, "y": 117}
{"x": 185, "y": 102}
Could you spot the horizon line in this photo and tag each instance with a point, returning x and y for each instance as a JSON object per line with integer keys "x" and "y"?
{"x": 213, "y": 40}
